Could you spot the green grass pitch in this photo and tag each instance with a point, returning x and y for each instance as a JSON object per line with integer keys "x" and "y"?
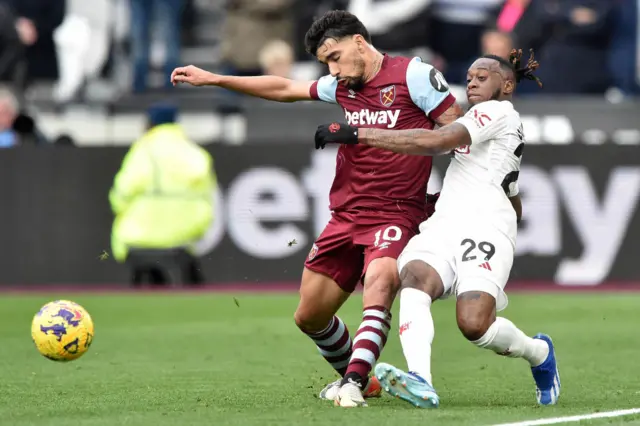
{"x": 198, "y": 359}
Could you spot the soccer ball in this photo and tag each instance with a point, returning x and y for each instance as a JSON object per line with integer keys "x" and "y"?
{"x": 62, "y": 330}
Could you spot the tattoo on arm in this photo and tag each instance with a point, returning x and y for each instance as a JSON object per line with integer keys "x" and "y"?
{"x": 417, "y": 141}
{"x": 403, "y": 141}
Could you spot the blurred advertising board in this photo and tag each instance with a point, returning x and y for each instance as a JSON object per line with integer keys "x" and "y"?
{"x": 581, "y": 221}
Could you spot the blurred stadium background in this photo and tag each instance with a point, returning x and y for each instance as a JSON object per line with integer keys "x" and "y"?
{"x": 78, "y": 91}
{"x": 580, "y": 177}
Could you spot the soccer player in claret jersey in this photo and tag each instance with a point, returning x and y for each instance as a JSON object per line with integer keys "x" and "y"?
{"x": 466, "y": 248}
{"x": 378, "y": 197}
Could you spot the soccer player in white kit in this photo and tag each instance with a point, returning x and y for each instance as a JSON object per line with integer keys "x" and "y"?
{"x": 466, "y": 248}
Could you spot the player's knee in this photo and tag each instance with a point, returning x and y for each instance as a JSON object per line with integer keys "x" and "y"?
{"x": 474, "y": 323}
{"x": 301, "y": 320}
{"x": 417, "y": 274}
{"x": 473, "y": 328}
{"x": 475, "y": 312}
{"x": 381, "y": 283}
{"x": 320, "y": 299}
{"x": 310, "y": 321}
{"x": 305, "y": 322}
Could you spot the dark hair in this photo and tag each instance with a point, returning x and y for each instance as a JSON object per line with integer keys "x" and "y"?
{"x": 334, "y": 24}
{"x": 513, "y": 64}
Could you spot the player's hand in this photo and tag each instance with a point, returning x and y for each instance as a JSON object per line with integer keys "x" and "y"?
{"x": 336, "y": 133}
{"x": 193, "y": 76}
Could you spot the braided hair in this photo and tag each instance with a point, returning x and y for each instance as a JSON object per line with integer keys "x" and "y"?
{"x": 526, "y": 72}
{"x": 514, "y": 64}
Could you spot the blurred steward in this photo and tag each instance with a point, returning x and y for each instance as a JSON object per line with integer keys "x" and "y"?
{"x": 162, "y": 199}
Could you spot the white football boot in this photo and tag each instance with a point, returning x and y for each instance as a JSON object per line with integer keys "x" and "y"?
{"x": 349, "y": 396}
{"x": 372, "y": 390}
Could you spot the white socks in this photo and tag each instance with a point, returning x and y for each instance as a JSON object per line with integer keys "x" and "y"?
{"x": 504, "y": 338}
{"x": 416, "y": 331}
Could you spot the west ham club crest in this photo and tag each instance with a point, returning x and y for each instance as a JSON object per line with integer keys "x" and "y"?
{"x": 388, "y": 95}
{"x": 313, "y": 252}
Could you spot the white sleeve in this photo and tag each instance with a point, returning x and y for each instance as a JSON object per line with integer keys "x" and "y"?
{"x": 484, "y": 121}
{"x": 325, "y": 89}
{"x": 428, "y": 88}
{"x": 514, "y": 189}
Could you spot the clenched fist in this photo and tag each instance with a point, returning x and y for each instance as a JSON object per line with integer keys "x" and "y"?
{"x": 336, "y": 133}
{"x": 193, "y": 76}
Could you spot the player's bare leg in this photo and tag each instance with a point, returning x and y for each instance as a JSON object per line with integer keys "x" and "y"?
{"x": 381, "y": 283}
{"x": 476, "y": 316}
{"x": 420, "y": 285}
{"x": 320, "y": 299}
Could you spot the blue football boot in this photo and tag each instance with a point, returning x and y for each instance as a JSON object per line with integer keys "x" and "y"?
{"x": 547, "y": 376}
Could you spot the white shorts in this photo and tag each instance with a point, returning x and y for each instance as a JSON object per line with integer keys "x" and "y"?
{"x": 467, "y": 256}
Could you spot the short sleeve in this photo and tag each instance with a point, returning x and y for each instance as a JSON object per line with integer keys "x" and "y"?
{"x": 324, "y": 89}
{"x": 428, "y": 88}
{"x": 484, "y": 121}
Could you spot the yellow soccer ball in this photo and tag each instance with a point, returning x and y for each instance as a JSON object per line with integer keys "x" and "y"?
{"x": 62, "y": 330}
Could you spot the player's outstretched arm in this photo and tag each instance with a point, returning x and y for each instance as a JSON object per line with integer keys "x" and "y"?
{"x": 412, "y": 141}
{"x": 477, "y": 126}
{"x": 417, "y": 141}
{"x": 268, "y": 87}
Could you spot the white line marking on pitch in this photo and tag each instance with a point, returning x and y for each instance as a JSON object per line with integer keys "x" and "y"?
{"x": 568, "y": 419}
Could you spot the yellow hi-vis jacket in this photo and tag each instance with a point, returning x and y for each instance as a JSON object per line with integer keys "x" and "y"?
{"x": 162, "y": 196}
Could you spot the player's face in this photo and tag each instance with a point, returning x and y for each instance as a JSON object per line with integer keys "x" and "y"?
{"x": 485, "y": 81}
{"x": 345, "y": 59}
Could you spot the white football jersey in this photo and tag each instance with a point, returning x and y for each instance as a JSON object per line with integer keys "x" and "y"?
{"x": 482, "y": 176}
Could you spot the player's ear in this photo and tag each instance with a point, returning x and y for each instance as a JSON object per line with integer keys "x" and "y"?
{"x": 360, "y": 42}
{"x": 508, "y": 87}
